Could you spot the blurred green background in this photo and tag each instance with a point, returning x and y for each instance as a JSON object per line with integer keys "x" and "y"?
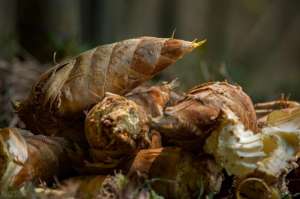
{"x": 255, "y": 43}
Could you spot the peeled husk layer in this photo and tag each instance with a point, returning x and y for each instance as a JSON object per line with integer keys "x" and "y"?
{"x": 281, "y": 138}
{"x": 268, "y": 155}
{"x": 188, "y": 123}
{"x": 223, "y": 95}
{"x": 236, "y": 148}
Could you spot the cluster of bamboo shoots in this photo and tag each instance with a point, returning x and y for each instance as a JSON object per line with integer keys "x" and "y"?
{"x": 96, "y": 127}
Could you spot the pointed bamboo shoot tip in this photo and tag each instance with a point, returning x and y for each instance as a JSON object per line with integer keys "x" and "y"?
{"x": 196, "y": 43}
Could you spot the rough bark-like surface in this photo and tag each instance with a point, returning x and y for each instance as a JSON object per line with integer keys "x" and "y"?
{"x": 115, "y": 129}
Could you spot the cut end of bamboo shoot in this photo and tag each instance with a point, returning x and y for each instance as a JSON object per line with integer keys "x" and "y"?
{"x": 115, "y": 127}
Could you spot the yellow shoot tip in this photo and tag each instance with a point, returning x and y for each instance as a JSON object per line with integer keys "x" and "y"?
{"x": 196, "y": 43}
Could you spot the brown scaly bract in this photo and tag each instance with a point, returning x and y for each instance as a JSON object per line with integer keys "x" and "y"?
{"x": 61, "y": 94}
{"x": 154, "y": 99}
{"x": 118, "y": 126}
{"x": 26, "y": 157}
{"x": 189, "y": 122}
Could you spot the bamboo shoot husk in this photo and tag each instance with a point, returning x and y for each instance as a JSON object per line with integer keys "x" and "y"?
{"x": 188, "y": 123}
{"x": 116, "y": 128}
{"x": 25, "y": 157}
{"x": 154, "y": 99}
{"x": 57, "y": 101}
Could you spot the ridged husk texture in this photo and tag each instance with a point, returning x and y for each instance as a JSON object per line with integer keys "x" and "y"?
{"x": 190, "y": 121}
{"x": 154, "y": 99}
{"x": 56, "y": 103}
{"x": 26, "y": 157}
{"x": 264, "y": 108}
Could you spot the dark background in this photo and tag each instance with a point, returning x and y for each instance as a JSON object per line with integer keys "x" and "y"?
{"x": 255, "y": 43}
